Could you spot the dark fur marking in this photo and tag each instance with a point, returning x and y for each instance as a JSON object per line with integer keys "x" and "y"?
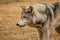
{"x": 55, "y": 7}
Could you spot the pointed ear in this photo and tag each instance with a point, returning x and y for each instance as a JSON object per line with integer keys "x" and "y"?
{"x": 30, "y": 8}
{"x": 23, "y": 7}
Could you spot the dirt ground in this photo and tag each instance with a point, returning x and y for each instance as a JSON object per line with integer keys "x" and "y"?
{"x": 10, "y": 15}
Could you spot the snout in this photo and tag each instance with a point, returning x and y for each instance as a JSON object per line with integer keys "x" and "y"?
{"x": 21, "y": 23}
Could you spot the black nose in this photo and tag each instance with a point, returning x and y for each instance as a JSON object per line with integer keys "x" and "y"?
{"x": 17, "y": 24}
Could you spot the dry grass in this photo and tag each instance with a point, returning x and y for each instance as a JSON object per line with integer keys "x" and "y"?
{"x": 9, "y": 1}
{"x": 10, "y": 15}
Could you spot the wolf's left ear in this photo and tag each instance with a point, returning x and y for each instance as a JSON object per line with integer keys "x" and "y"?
{"x": 23, "y": 7}
{"x": 30, "y": 8}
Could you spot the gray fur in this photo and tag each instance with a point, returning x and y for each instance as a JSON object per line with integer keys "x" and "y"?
{"x": 40, "y": 16}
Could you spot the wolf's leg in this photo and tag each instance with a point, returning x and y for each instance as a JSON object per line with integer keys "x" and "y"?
{"x": 40, "y": 34}
{"x": 46, "y": 34}
{"x": 46, "y": 30}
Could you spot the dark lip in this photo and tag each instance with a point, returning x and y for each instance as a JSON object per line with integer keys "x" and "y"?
{"x": 20, "y": 26}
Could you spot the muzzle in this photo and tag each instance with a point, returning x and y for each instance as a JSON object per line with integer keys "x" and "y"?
{"x": 21, "y": 23}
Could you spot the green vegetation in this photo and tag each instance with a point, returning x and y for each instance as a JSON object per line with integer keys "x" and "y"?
{"x": 9, "y": 1}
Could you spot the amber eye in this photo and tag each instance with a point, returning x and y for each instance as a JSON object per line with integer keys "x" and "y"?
{"x": 24, "y": 17}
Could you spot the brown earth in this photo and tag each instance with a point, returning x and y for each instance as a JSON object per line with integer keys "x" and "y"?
{"x": 10, "y": 15}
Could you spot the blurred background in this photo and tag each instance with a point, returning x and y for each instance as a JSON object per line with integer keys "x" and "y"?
{"x": 10, "y": 11}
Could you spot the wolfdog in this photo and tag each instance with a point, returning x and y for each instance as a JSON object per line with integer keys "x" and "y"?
{"x": 41, "y": 16}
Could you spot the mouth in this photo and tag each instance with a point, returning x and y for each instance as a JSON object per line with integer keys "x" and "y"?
{"x": 20, "y": 25}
